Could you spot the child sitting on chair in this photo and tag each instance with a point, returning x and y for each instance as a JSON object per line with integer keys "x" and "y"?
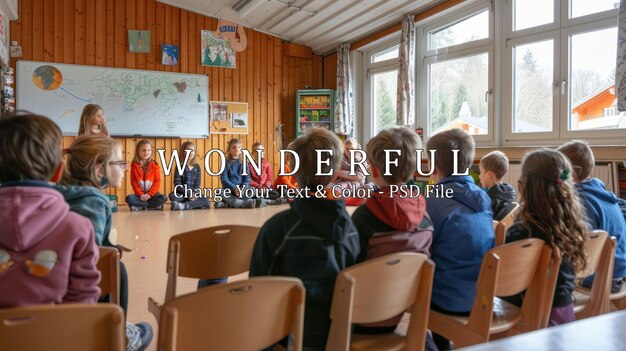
{"x": 493, "y": 167}
{"x": 602, "y": 206}
{"x": 463, "y": 226}
{"x": 313, "y": 240}
{"x": 48, "y": 254}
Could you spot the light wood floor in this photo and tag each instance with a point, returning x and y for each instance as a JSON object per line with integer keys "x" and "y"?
{"x": 148, "y": 233}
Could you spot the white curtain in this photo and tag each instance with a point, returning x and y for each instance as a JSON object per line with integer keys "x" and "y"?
{"x": 620, "y": 76}
{"x": 344, "y": 108}
{"x": 405, "y": 102}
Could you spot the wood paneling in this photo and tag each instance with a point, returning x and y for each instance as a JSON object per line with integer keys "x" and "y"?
{"x": 95, "y": 32}
{"x": 298, "y": 73}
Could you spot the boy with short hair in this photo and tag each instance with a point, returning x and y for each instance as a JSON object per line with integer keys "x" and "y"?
{"x": 383, "y": 213}
{"x": 493, "y": 167}
{"x": 314, "y": 240}
{"x": 48, "y": 254}
{"x": 463, "y": 226}
{"x": 602, "y": 206}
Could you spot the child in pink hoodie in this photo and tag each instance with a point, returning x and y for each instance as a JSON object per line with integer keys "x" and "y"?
{"x": 48, "y": 254}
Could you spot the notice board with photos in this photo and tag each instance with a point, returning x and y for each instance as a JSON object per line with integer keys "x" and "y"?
{"x": 229, "y": 117}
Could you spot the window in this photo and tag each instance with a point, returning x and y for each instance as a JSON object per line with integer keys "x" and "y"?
{"x": 592, "y": 77}
{"x": 532, "y": 88}
{"x": 455, "y": 84}
{"x": 560, "y": 79}
{"x": 532, "y": 13}
{"x": 586, "y": 7}
{"x": 384, "y": 98}
{"x": 467, "y": 30}
{"x": 388, "y": 54}
{"x": 380, "y": 88}
{"x": 457, "y": 94}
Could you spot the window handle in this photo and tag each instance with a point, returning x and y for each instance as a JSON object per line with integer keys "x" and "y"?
{"x": 563, "y": 87}
{"x": 487, "y": 93}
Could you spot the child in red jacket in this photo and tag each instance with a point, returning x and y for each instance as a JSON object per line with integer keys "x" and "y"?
{"x": 145, "y": 179}
{"x": 263, "y": 180}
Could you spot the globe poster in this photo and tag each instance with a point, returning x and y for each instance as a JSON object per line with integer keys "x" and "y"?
{"x": 134, "y": 102}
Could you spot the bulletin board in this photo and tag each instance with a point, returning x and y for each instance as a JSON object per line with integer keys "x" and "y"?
{"x": 229, "y": 117}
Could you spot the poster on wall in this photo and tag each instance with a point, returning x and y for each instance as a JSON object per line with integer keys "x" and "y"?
{"x": 169, "y": 55}
{"x": 139, "y": 41}
{"x": 228, "y": 117}
{"x": 216, "y": 51}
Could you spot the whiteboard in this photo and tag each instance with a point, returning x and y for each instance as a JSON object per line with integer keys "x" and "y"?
{"x": 134, "y": 102}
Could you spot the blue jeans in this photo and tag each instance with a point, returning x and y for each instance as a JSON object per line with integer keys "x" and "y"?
{"x": 157, "y": 200}
{"x": 203, "y": 283}
{"x": 200, "y": 202}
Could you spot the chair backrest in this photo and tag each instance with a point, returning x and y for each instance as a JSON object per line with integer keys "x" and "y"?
{"x": 109, "y": 267}
{"x": 209, "y": 253}
{"x": 508, "y": 270}
{"x": 601, "y": 256}
{"x": 67, "y": 327}
{"x": 381, "y": 288}
{"x": 499, "y": 229}
{"x": 509, "y": 219}
{"x": 244, "y": 315}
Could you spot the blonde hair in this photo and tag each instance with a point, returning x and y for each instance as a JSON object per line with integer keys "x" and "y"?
{"x": 84, "y": 155}
{"x": 305, "y": 147}
{"x": 141, "y": 143}
{"x": 552, "y": 204}
{"x": 496, "y": 162}
{"x": 446, "y": 141}
{"x": 400, "y": 138}
{"x": 89, "y": 111}
{"x": 30, "y": 147}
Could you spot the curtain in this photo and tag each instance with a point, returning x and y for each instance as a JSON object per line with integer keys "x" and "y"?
{"x": 620, "y": 76}
{"x": 344, "y": 108}
{"x": 405, "y": 101}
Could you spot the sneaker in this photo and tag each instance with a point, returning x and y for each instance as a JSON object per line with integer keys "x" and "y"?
{"x": 158, "y": 208}
{"x": 177, "y": 206}
{"x": 137, "y": 208}
{"x": 220, "y": 204}
{"x": 138, "y": 336}
{"x": 260, "y": 203}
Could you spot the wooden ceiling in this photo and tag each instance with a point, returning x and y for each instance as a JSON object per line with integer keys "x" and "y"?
{"x": 319, "y": 24}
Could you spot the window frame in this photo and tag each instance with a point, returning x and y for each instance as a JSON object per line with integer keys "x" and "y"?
{"x": 426, "y": 56}
{"x": 370, "y": 68}
{"x": 560, "y": 31}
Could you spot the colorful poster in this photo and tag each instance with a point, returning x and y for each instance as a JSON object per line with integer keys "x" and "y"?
{"x": 169, "y": 55}
{"x": 139, "y": 41}
{"x": 216, "y": 51}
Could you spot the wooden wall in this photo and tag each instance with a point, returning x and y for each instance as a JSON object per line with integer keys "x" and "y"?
{"x": 95, "y": 32}
{"x": 301, "y": 69}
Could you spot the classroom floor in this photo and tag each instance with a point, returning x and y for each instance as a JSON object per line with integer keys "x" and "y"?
{"x": 148, "y": 234}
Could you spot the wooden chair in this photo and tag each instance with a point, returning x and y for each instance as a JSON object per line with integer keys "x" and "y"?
{"x": 500, "y": 227}
{"x": 109, "y": 267}
{"x": 208, "y": 253}
{"x": 244, "y": 315}
{"x": 66, "y": 327}
{"x": 526, "y": 265}
{"x": 379, "y": 289}
{"x": 509, "y": 219}
{"x": 618, "y": 299}
{"x": 601, "y": 253}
